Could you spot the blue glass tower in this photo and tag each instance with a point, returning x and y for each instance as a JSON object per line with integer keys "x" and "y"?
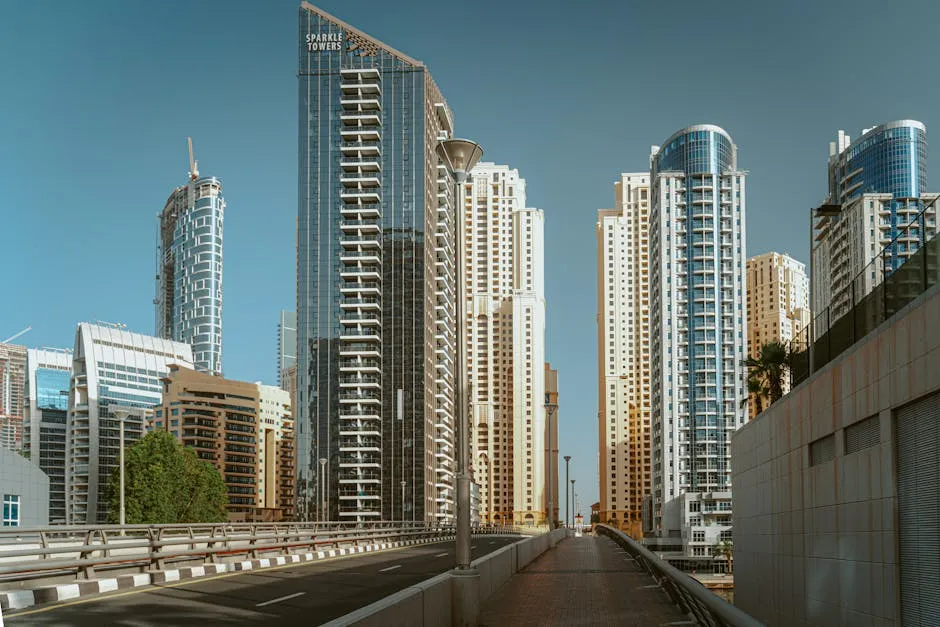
{"x": 375, "y": 282}
{"x": 697, "y": 326}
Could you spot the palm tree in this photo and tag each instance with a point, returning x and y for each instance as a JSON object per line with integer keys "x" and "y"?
{"x": 725, "y": 549}
{"x": 756, "y": 389}
{"x": 769, "y": 371}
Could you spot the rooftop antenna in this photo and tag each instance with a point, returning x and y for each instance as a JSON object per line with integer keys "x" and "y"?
{"x": 193, "y": 164}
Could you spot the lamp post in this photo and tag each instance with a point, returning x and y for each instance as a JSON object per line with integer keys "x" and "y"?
{"x": 460, "y": 155}
{"x": 572, "y": 502}
{"x": 551, "y": 409}
{"x": 323, "y": 514}
{"x": 403, "y": 484}
{"x": 567, "y": 459}
{"x": 121, "y": 415}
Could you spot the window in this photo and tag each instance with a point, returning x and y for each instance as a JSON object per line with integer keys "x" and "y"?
{"x": 11, "y": 510}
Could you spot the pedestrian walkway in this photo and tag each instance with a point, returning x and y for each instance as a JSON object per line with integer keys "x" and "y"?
{"x": 583, "y": 581}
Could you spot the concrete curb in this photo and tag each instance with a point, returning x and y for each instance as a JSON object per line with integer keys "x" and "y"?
{"x": 20, "y": 599}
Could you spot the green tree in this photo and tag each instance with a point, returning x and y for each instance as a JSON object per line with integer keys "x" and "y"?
{"x": 165, "y": 483}
{"x": 725, "y": 550}
{"x": 767, "y": 374}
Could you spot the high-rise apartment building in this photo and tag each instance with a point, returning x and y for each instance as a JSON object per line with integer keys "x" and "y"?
{"x": 505, "y": 333}
{"x": 877, "y": 185}
{"x": 113, "y": 371}
{"x": 623, "y": 349}
{"x": 698, "y": 327}
{"x": 189, "y": 269}
{"x": 375, "y": 282}
{"x": 12, "y": 399}
{"x": 286, "y": 345}
{"x": 243, "y": 429}
{"x": 49, "y": 372}
{"x": 777, "y": 307}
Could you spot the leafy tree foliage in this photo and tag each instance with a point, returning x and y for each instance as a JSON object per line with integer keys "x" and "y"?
{"x": 767, "y": 374}
{"x": 167, "y": 483}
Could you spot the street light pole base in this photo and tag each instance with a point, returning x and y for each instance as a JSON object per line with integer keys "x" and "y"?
{"x": 465, "y": 595}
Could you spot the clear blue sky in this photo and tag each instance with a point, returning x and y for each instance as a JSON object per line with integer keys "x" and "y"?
{"x": 99, "y": 97}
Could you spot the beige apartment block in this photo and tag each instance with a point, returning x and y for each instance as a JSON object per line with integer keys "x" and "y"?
{"x": 12, "y": 397}
{"x": 835, "y": 486}
{"x": 777, "y": 306}
{"x": 505, "y": 337}
{"x": 623, "y": 341}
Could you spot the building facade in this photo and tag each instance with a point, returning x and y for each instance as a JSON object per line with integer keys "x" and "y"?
{"x": 111, "y": 369}
{"x": 286, "y": 345}
{"x": 623, "y": 350}
{"x": 878, "y": 183}
{"x": 698, "y": 327}
{"x": 505, "y": 334}
{"x": 24, "y": 490}
{"x": 375, "y": 282}
{"x": 243, "y": 429}
{"x": 777, "y": 307}
{"x": 189, "y": 270}
{"x": 49, "y": 372}
{"x": 12, "y": 398}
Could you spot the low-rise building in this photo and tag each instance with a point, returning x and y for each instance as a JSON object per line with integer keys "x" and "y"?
{"x": 24, "y": 490}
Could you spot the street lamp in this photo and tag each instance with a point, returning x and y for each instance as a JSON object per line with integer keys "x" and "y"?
{"x": 567, "y": 512}
{"x": 121, "y": 415}
{"x": 323, "y": 514}
{"x": 572, "y": 501}
{"x": 551, "y": 409}
{"x": 403, "y": 484}
{"x": 460, "y": 155}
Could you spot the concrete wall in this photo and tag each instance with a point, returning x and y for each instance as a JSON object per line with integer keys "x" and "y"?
{"x": 19, "y": 476}
{"x": 431, "y": 603}
{"x": 817, "y": 544}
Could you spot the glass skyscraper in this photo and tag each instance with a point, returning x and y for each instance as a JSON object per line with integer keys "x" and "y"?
{"x": 375, "y": 282}
{"x": 189, "y": 270}
{"x": 49, "y": 373}
{"x": 698, "y": 331}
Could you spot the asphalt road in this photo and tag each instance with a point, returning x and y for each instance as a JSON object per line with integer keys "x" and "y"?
{"x": 304, "y": 594}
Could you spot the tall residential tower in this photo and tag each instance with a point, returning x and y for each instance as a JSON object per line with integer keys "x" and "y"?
{"x": 189, "y": 268}
{"x": 699, "y": 332}
{"x": 623, "y": 350}
{"x": 375, "y": 282}
{"x": 505, "y": 305}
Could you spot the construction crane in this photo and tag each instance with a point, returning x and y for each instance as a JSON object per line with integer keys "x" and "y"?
{"x": 13, "y": 337}
{"x": 193, "y": 164}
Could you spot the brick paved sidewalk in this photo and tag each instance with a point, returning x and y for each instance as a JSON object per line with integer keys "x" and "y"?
{"x": 583, "y": 581}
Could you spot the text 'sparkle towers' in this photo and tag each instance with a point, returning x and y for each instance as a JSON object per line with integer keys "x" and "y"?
{"x": 376, "y": 330}
{"x": 188, "y": 301}
{"x": 699, "y": 332}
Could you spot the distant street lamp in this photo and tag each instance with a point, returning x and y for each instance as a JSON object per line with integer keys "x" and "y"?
{"x": 121, "y": 415}
{"x": 323, "y": 513}
{"x": 567, "y": 511}
{"x": 572, "y": 501}
{"x": 403, "y": 484}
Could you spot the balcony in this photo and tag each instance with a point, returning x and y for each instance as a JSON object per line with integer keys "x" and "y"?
{"x": 360, "y": 165}
{"x": 360, "y": 181}
{"x": 362, "y": 272}
{"x": 362, "y": 133}
{"x": 362, "y": 197}
{"x": 355, "y": 102}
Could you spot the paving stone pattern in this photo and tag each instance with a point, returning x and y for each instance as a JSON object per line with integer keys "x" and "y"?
{"x": 583, "y": 581}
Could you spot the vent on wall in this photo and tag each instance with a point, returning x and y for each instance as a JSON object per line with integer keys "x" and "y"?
{"x": 862, "y": 435}
{"x": 822, "y": 450}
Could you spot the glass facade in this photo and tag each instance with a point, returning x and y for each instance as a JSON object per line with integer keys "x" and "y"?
{"x": 697, "y": 321}
{"x": 368, "y": 120}
{"x": 189, "y": 271}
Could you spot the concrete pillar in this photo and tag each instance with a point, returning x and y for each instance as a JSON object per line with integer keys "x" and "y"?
{"x": 465, "y": 611}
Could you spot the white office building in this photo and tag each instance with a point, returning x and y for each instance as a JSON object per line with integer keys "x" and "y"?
{"x": 698, "y": 325}
{"x": 505, "y": 333}
{"x": 111, "y": 368}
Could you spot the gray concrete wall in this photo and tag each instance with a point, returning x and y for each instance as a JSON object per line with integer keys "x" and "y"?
{"x": 19, "y": 476}
{"x": 817, "y": 544}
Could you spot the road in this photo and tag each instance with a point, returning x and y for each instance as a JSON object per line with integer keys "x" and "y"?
{"x": 304, "y": 594}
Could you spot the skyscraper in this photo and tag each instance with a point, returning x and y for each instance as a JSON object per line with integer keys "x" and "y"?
{"x": 777, "y": 307}
{"x": 505, "y": 327}
{"x": 112, "y": 370}
{"x": 878, "y": 183}
{"x": 286, "y": 345}
{"x": 189, "y": 269}
{"x": 375, "y": 281}
{"x": 623, "y": 351}
{"x": 44, "y": 431}
{"x": 699, "y": 332}
{"x": 12, "y": 382}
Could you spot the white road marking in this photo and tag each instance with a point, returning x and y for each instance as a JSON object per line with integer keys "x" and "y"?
{"x": 493, "y": 542}
{"x": 441, "y": 554}
{"x": 289, "y": 596}
{"x": 390, "y": 568}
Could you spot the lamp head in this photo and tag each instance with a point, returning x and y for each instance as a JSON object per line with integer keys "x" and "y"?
{"x": 460, "y": 155}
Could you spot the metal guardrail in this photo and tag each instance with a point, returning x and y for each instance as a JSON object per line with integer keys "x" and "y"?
{"x": 706, "y": 607}
{"x": 29, "y": 553}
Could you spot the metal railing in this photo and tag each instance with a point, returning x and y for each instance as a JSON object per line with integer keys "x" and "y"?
{"x": 888, "y": 283}
{"x": 691, "y": 596}
{"x": 32, "y": 553}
